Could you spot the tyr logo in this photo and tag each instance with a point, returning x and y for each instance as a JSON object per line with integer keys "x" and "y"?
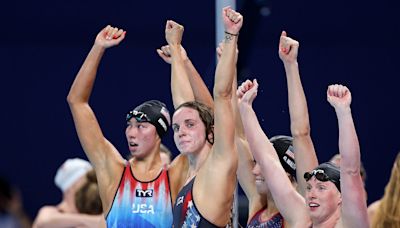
{"x": 144, "y": 193}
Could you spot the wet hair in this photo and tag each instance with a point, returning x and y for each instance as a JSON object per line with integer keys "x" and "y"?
{"x": 87, "y": 198}
{"x": 388, "y": 212}
{"x": 206, "y": 116}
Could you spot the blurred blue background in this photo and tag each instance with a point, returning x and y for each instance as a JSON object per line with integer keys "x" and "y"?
{"x": 44, "y": 43}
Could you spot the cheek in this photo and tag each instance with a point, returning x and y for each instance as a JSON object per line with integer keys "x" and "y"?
{"x": 200, "y": 135}
{"x": 148, "y": 135}
{"x": 176, "y": 137}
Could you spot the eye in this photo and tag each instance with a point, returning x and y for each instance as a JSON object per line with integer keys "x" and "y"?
{"x": 175, "y": 128}
{"x": 321, "y": 187}
{"x": 189, "y": 125}
{"x": 308, "y": 188}
{"x": 140, "y": 126}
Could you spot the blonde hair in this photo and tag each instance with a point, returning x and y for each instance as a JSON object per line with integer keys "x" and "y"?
{"x": 388, "y": 211}
{"x": 87, "y": 198}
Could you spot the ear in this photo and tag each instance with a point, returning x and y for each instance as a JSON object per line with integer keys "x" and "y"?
{"x": 210, "y": 135}
{"x": 339, "y": 198}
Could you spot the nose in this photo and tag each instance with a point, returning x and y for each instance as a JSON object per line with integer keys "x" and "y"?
{"x": 256, "y": 170}
{"x": 131, "y": 132}
{"x": 311, "y": 194}
{"x": 181, "y": 132}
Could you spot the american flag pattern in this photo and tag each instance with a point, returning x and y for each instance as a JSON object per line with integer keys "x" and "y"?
{"x": 186, "y": 214}
{"x": 275, "y": 221}
{"x": 141, "y": 204}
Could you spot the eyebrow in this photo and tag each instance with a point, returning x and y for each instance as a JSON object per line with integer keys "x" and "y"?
{"x": 185, "y": 121}
{"x": 321, "y": 184}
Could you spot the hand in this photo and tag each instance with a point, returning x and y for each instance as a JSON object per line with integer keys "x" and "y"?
{"x": 339, "y": 97}
{"x": 233, "y": 20}
{"x": 109, "y": 37}
{"x": 247, "y": 92}
{"x": 288, "y": 49}
{"x": 173, "y": 33}
{"x": 165, "y": 53}
{"x": 220, "y": 49}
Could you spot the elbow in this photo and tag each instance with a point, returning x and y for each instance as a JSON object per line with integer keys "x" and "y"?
{"x": 298, "y": 132}
{"x": 225, "y": 93}
{"x": 352, "y": 171}
{"x": 71, "y": 99}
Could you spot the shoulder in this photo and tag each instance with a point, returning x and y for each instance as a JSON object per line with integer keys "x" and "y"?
{"x": 48, "y": 209}
{"x": 178, "y": 165}
{"x": 372, "y": 208}
{"x": 45, "y": 214}
{"x": 177, "y": 173}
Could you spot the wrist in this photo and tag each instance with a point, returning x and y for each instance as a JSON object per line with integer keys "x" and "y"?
{"x": 231, "y": 33}
{"x": 292, "y": 66}
{"x": 244, "y": 106}
{"x": 291, "y": 63}
{"x": 343, "y": 111}
{"x": 98, "y": 47}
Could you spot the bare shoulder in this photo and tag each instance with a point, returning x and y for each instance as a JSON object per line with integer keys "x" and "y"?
{"x": 178, "y": 165}
{"x": 48, "y": 209}
{"x": 372, "y": 208}
{"x": 177, "y": 172}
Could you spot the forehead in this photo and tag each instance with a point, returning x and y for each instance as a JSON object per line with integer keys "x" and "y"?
{"x": 185, "y": 113}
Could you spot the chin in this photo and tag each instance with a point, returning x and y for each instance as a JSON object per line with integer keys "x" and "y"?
{"x": 184, "y": 152}
{"x": 138, "y": 154}
{"x": 262, "y": 189}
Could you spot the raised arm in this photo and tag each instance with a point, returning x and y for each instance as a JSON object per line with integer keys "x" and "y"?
{"x": 199, "y": 88}
{"x": 305, "y": 156}
{"x": 218, "y": 173}
{"x": 280, "y": 186}
{"x": 224, "y": 129}
{"x": 246, "y": 163}
{"x": 105, "y": 159}
{"x": 180, "y": 85}
{"x": 354, "y": 207}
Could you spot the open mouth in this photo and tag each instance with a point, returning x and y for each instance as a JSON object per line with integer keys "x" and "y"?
{"x": 133, "y": 144}
{"x": 260, "y": 180}
{"x": 313, "y": 205}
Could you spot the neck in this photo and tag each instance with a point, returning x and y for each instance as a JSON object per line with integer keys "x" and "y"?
{"x": 328, "y": 222}
{"x": 147, "y": 168}
{"x": 270, "y": 209}
{"x": 197, "y": 159}
{"x": 67, "y": 205}
{"x": 148, "y": 163}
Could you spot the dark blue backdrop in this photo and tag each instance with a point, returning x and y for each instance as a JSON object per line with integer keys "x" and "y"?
{"x": 43, "y": 44}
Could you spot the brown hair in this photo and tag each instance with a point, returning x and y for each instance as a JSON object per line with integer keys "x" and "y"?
{"x": 388, "y": 212}
{"x": 87, "y": 198}
{"x": 206, "y": 116}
